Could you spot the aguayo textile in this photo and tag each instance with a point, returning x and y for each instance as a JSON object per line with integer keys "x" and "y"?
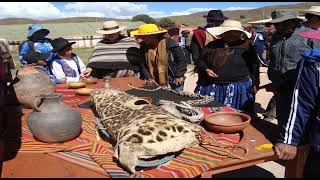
{"x": 124, "y": 54}
{"x": 97, "y": 154}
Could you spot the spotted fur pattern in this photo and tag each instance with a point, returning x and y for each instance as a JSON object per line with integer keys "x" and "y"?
{"x": 141, "y": 130}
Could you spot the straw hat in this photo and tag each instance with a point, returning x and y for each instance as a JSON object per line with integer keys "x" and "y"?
{"x": 281, "y": 15}
{"x": 147, "y": 29}
{"x": 110, "y": 27}
{"x": 228, "y": 25}
{"x": 315, "y": 10}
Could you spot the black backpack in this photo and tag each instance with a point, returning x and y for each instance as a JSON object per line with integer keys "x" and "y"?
{"x": 30, "y": 44}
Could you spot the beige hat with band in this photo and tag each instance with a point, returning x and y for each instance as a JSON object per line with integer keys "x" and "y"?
{"x": 110, "y": 27}
{"x": 228, "y": 25}
{"x": 315, "y": 10}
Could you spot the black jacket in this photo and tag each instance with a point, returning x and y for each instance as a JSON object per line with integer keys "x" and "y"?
{"x": 177, "y": 60}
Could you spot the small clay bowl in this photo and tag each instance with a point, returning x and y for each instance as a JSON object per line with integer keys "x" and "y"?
{"x": 91, "y": 80}
{"x": 84, "y": 91}
{"x": 76, "y": 85}
{"x": 227, "y": 122}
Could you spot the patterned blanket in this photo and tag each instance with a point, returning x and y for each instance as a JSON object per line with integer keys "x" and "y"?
{"x": 91, "y": 152}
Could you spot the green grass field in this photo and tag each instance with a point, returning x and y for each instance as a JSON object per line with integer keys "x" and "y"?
{"x": 83, "y": 53}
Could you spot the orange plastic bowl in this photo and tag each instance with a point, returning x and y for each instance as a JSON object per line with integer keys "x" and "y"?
{"x": 227, "y": 122}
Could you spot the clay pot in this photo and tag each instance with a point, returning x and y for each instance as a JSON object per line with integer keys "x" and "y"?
{"x": 31, "y": 81}
{"x": 53, "y": 121}
{"x": 227, "y": 122}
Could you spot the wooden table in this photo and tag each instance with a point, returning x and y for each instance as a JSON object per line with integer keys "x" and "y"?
{"x": 43, "y": 165}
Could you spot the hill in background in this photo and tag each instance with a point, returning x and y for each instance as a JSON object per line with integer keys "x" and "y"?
{"x": 192, "y": 19}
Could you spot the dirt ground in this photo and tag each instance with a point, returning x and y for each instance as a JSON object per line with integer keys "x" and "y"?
{"x": 264, "y": 170}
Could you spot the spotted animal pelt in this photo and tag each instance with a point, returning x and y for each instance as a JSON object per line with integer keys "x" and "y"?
{"x": 141, "y": 130}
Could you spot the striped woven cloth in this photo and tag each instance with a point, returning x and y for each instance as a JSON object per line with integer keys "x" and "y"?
{"x": 91, "y": 152}
{"x": 124, "y": 54}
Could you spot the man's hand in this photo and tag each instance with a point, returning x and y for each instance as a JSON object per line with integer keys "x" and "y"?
{"x": 41, "y": 62}
{"x": 86, "y": 73}
{"x": 285, "y": 151}
{"x": 179, "y": 80}
{"x": 150, "y": 82}
{"x": 211, "y": 73}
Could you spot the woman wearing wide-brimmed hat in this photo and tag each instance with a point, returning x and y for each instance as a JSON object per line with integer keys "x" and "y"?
{"x": 37, "y": 48}
{"x": 115, "y": 55}
{"x": 229, "y": 67}
{"x": 164, "y": 58}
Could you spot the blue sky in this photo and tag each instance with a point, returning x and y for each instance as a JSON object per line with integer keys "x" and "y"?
{"x": 52, "y": 10}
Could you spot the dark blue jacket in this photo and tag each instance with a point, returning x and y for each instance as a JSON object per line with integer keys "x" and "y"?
{"x": 304, "y": 118}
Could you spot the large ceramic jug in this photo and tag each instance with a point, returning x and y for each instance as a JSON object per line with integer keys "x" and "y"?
{"x": 31, "y": 81}
{"x": 52, "y": 120}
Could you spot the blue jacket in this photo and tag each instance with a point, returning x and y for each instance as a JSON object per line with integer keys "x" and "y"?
{"x": 42, "y": 47}
{"x": 304, "y": 118}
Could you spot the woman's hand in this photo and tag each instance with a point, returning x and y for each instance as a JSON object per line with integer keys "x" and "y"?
{"x": 86, "y": 73}
{"x": 41, "y": 62}
{"x": 211, "y": 73}
{"x": 254, "y": 89}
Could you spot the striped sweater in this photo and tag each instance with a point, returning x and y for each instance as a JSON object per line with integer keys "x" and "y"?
{"x": 124, "y": 54}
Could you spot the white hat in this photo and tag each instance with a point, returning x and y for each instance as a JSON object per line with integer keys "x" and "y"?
{"x": 228, "y": 25}
{"x": 110, "y": 27}
{"x": 312, "y": 10}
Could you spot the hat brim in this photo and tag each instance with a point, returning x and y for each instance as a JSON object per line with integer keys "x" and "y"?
{"x": 136, "y": 33}
{"x": 101, "y": 31}
{"x": 278, "y": 20}
{"x": 313, "y": 34}
{"x": 44, "y": 31}
{"x": 217, "y": 19}
{"x": 310, "y": 12}
{"x": 216, "y": 31}
{"x": 54, "y": 50}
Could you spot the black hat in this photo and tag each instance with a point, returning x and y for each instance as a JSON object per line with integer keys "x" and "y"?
{"x": 216, "y": 15}
{"x": 60, "y": 43}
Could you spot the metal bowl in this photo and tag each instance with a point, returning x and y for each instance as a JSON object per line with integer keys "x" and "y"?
{"x": 227, "y": 122}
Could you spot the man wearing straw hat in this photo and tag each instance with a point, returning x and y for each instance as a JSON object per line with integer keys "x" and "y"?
{"x": 313, "y": 17}
{"x": 285, "y": 49}
{"x": 165, "y": 60}
{"x": 115, "y": 55}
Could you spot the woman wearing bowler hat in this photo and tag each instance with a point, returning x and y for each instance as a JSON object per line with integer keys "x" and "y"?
{"x": 67, "y": 66}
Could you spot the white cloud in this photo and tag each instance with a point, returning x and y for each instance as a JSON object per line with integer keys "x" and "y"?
{"x": 121, "y": 10}
{"x": 106, "y": 9}
{"x": 238, "y": 8}
{"x": 190, "y": 11}
{"x": 36, "y": 10}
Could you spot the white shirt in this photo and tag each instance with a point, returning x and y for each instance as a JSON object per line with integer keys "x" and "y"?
{"x": 58, "y": 72}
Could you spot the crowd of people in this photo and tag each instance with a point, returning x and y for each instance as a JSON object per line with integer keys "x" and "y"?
{"x": 226, "y": 54}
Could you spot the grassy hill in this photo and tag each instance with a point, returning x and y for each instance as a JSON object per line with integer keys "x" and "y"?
{"x": 192, "y": 19}
{"x": 251, "y": 15}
